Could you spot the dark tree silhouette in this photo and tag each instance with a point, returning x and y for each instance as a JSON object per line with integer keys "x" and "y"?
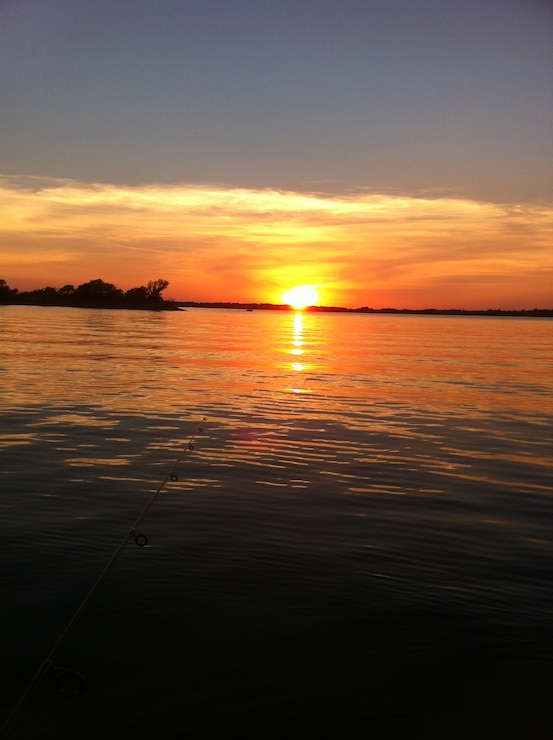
{"x": 44, "y": 296}
{"x": 94, "y": 293}
{"x": 66, "y": 295}
{"x": 7, "y": 294}
{"x": 98, "y": 292}
{"x": 137, "y": 295}
{"x": 155, "y": 288}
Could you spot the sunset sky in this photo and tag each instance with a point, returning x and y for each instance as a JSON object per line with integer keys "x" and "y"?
{"x": 391, "y": 152}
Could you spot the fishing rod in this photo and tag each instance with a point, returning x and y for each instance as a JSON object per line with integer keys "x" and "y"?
{"x": 77, "y": 686}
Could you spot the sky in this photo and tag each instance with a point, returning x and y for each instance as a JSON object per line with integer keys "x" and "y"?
{"x": 392, "y": 153}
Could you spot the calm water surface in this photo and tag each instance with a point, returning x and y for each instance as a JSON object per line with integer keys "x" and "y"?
{"x": 359, "y": 544}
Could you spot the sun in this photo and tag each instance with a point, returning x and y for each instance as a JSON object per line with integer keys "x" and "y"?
{"x": 301, "y": 296}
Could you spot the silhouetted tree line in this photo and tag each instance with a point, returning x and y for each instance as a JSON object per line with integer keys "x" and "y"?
{"x": 94, "y": 293}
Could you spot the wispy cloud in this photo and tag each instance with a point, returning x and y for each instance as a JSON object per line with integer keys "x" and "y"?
{"x": 219, "y": 243}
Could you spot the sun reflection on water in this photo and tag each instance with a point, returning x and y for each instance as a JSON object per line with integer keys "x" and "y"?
{"x": 297, "y": 350}
{"x": 298, "y": 335}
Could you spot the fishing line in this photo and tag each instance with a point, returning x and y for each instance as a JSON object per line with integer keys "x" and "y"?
{"x": 70, "y": 682}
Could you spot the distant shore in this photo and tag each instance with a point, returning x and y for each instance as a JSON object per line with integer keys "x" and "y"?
{"x": 170, "y": 305}
{"x": 535, "y": 312}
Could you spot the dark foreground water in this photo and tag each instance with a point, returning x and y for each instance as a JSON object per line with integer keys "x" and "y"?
{"x": 358, "y": 546}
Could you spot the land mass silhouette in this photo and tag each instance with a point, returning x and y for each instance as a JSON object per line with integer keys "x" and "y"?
{"x": 99, "y": 294}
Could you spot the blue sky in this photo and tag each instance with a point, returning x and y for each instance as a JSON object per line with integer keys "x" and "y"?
{"x": 421, "y": 98}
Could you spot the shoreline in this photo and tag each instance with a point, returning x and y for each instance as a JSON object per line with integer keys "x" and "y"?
{"x": 184, "y": 305}
{"x": 539, "y": 312}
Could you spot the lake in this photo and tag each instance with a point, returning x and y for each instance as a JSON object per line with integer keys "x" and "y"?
{"x": 356, "y": 544}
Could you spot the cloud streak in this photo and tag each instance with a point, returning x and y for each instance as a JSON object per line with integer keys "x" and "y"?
{"x": 221, "y": 243}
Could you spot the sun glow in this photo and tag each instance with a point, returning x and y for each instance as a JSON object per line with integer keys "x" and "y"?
{"x": 255, "y": 244}
{"x": 301, "y": 296}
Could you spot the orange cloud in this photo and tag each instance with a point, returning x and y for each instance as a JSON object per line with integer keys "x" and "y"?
{"x": 218, "y": 243}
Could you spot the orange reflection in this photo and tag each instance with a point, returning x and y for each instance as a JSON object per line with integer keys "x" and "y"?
{"x": 298, "y": 350}
{"x": 297, "y": 340}
{"x": 298, "y": 334}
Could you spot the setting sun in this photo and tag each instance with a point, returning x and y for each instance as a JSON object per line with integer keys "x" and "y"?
{"x": 301, "y": 296}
